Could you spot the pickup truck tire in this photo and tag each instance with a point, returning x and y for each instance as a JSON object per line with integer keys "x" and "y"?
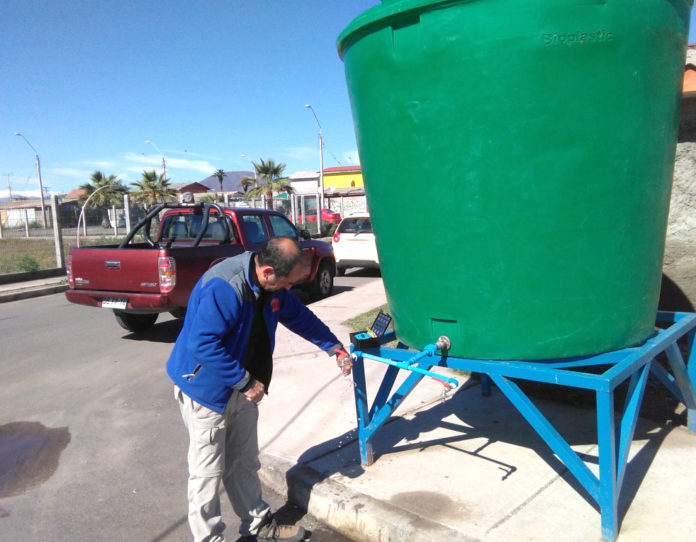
{"x": 179, "y": 312}
{"x": 323, "y": 281}
{"x": 135, "y": 322}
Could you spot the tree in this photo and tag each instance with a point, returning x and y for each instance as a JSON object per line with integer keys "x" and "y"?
{"x": 107, "y": 191}
{"x": 247, "y": 182}
{"x": 271, "y": 181}
{"x": 152, "y": 189}
{"x": 220, "y": 174}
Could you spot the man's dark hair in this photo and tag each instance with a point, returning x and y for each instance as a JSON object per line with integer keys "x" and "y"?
{"x": 282, "y": 254}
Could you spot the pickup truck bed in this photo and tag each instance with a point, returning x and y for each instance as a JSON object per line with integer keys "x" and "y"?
{"x": 139, "y": 280}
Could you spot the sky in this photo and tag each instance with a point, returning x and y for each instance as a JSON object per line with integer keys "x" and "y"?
{"x": 87, "y": 82}
{"x": 212, "y": 85}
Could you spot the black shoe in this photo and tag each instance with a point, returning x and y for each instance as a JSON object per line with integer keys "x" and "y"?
{"x": 272, "y": 532}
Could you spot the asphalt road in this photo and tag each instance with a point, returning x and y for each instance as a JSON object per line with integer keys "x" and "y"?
{"x": 91, "y": 443}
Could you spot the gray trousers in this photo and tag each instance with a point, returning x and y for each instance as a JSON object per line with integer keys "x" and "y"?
{"x": 223, "y": 450}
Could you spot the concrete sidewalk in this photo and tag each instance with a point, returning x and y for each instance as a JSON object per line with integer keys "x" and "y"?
{"x": 32, "y": 288}
{"x": 460, "y": 468}
{"x": 464, "y": 468}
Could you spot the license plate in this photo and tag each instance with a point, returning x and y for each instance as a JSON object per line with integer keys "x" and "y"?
{"x": 114, "y": 303}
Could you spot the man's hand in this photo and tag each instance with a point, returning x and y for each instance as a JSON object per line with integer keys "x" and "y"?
{"x": 256, "y": 392}
{"x": 344, "y": 361}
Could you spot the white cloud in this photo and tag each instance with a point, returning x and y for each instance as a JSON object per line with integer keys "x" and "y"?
{"x": 146, "y": 160}
{"x": 202, "y": 166}
{"x": 155, "y": 161}
{"x": 102, "y": 165}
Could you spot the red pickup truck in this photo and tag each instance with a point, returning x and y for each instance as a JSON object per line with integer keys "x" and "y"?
{"x": 139, "y": 280}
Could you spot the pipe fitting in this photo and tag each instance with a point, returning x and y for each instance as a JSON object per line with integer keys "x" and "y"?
{"x": 443, "y": 343}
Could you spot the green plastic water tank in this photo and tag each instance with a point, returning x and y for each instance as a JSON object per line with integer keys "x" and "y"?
{"x": 518, "y": 158}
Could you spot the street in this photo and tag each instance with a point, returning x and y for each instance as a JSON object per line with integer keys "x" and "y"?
{"x": 92, "y": 446}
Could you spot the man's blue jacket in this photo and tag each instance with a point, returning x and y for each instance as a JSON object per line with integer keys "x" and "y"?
{"x": 206, "y": 362}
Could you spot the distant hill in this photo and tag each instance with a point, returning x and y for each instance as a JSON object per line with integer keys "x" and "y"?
{"x": 230, "y": 182}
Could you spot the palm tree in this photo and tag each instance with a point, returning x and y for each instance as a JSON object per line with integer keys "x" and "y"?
{"x": 220, "y": 174}
{"x": 152, "y": 188}
{"x": 247, "y": 182}
{"x": 271, "y": 181}
{"x": 107, "y": 191}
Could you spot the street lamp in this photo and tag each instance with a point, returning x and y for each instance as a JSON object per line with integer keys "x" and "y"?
{"x": 164, "y": 165}
{"x": 38, "y": 168}
{"x": 321, "y": 164}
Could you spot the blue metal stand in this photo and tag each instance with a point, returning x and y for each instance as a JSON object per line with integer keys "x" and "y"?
{"x": 614, "y": 440}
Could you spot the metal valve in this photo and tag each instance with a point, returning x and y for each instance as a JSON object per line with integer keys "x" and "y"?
{"x": 443, "y": 343}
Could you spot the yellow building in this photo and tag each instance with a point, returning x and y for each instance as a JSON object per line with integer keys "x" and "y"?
{"x": 343, "y": 181}
{"x": 344, "y": 189}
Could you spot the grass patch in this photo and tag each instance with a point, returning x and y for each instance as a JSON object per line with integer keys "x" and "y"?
{"x": 28, "y": 254}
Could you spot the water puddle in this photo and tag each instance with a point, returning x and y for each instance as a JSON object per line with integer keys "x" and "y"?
{"x": 29, "y": 455}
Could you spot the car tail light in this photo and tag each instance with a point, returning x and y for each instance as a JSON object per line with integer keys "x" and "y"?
{"x": 336, "y": 237}
{"x": 68, "y": 271}
{"x": 167, "y": 274}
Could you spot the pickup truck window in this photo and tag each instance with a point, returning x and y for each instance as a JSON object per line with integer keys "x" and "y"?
{"x": 255, "y": 229}
{"x": 185, "y": 228}
{"x": 282, "y": 227}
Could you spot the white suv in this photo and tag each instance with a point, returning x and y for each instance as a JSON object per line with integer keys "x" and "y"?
{"x": 354, "y": 243}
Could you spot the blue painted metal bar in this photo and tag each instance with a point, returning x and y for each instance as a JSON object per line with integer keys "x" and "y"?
{"x": 666, "y": 379}
{"x": 384, "y": 390}
{"x": 676, "y": 362}
{"x": 608, "y": 491}
{"x": 393, "y": 403}
{"x": 650, "y": 349}
{"x": 629, "y": 420}
{"x": 360, "y": 390}
{"x": 691, "y": 371}
{"x": 614, "y": 443}
{"x": 411, "y": 366}
{"x": 552, "y": 437}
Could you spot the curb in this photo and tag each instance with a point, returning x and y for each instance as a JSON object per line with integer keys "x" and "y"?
{"x": 351, "y": 513}
{"x": 31, "y": 291}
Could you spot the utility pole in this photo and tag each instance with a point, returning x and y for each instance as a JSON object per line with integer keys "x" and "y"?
{"x": 38, "y": 168}
{"x": 321, "y": 169}
{"x": 164, "y": 164}
{"x": 9, "y": 186}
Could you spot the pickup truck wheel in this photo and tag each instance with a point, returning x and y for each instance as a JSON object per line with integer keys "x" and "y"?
{"x": 340, "y": 271}
{"x": 323, "y": 281}
{"x": 179, "y": 312}
{"x": 135, "y": 322}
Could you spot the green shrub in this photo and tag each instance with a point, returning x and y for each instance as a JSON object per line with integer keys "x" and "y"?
{"x": 27, "y": 263}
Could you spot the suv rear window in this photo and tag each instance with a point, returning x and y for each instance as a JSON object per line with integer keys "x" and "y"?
{"x": 358, "y": 224}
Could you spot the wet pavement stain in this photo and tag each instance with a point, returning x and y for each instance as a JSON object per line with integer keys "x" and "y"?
{"x": 29, "y": 455}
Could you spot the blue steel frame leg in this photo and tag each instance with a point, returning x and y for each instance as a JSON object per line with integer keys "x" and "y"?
{"x": 485, "y": 385}
{"x": 691, "y": 413}
{"x": 629, "y": 419}
{"x": 608, "y": 490}
{"x": 371, "y": 419}
{"x": 360, "y": 390}
{"x": 685, "y": 378}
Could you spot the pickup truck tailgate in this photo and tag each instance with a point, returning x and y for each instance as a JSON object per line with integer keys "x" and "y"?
{"x": 116, "y": 270}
